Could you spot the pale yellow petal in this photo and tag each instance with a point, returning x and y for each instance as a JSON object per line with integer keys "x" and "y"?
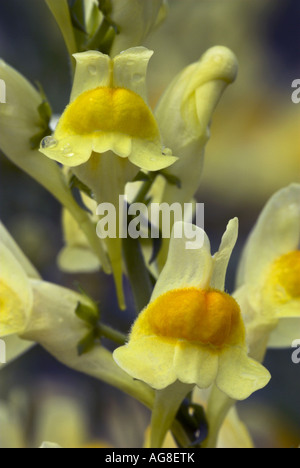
{"x": 276, "y": 233}
{"x": 15, "y": 294}
{"x": 222, "y": 257}
{"x": 184, "y": 267}
{"x": 286, "y": 332}
{"x": 186, "y": 108}
{"x": 77, "y": 255}
{"x": 288, "y": 310}
{"x": 15, "y": 347}
{"x": 195, "y": 364}
{"x": 130, "y": 70}
{"x": 78, "y": 260}
{"x": 93, "y": 69}
{"x": 149, "y": 359}
{"x": 148, "y": 155}
{"x": 258, "y": 325}
{"x": 239, "y": 376}
{"x": 8, "y": 241}
{"x": 119, "y": 143}
{"x": 69, "y": 150}
{"x": 234, "y": 433}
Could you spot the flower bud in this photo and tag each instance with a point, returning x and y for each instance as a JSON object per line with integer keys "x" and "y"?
{"x": 135, "y": 20}
{"x": 184, "y": 115}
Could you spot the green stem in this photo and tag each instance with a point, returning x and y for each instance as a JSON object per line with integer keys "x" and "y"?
{"x": 141, "y": 195}
{"x": 137, "y": 272}
{"x": 97, "y": 39}
{"x": 61, "y": 13}
{"x": 218, "y": 406}
{"x": 112, "y": 334}
{"x": 180, "y": 434}
{"x": 166, "y": 404}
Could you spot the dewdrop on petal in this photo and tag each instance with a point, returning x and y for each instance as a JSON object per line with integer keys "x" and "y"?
{"x": 109, "y": 112}
{"x": 108, "y": 132}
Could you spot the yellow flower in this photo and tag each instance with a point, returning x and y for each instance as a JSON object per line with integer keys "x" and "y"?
{"x": 77, "y": 255}
{"x": 39, "y": 312}
{"x": 16, "y": 298}
{"x": 269, "y": 274}
{"x": 108, "y": 132}
{"x": 108, "y": 111}
{"x": 184, "y": 114}
{"x": 23, "y": 123}
{"x": 192, "y": 331}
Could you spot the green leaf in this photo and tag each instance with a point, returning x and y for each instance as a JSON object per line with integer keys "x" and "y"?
{"x": 44, "y": 108}
{"x": 76, "y": 183}
{"x": 137, "y": 272}
{"x": 157, "y": 243}
{"x": 45, "y": 113}
{"x": 77, "y": 15}
{"x": 88, "y": 314}
{"x": 105, "y": 6}
{"x": 142, "y": 177}
{"x": 171, "y": 179}
{"x": 89, "y": 311}
{"x": 99, "y": 38}
{"x": 87, "y": 343}
{"x": 61, "y": 13}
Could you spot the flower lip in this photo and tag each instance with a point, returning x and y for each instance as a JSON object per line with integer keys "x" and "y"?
{"x": 206, "y": 317}
{"x": 108, "y": 109}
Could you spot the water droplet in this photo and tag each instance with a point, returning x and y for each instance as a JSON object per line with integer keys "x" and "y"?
{"x": 166, "y": 151}
{"x": 92, "y": 69}
{"x": 49, "y": 142}
{"x": 67, "y": 150}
